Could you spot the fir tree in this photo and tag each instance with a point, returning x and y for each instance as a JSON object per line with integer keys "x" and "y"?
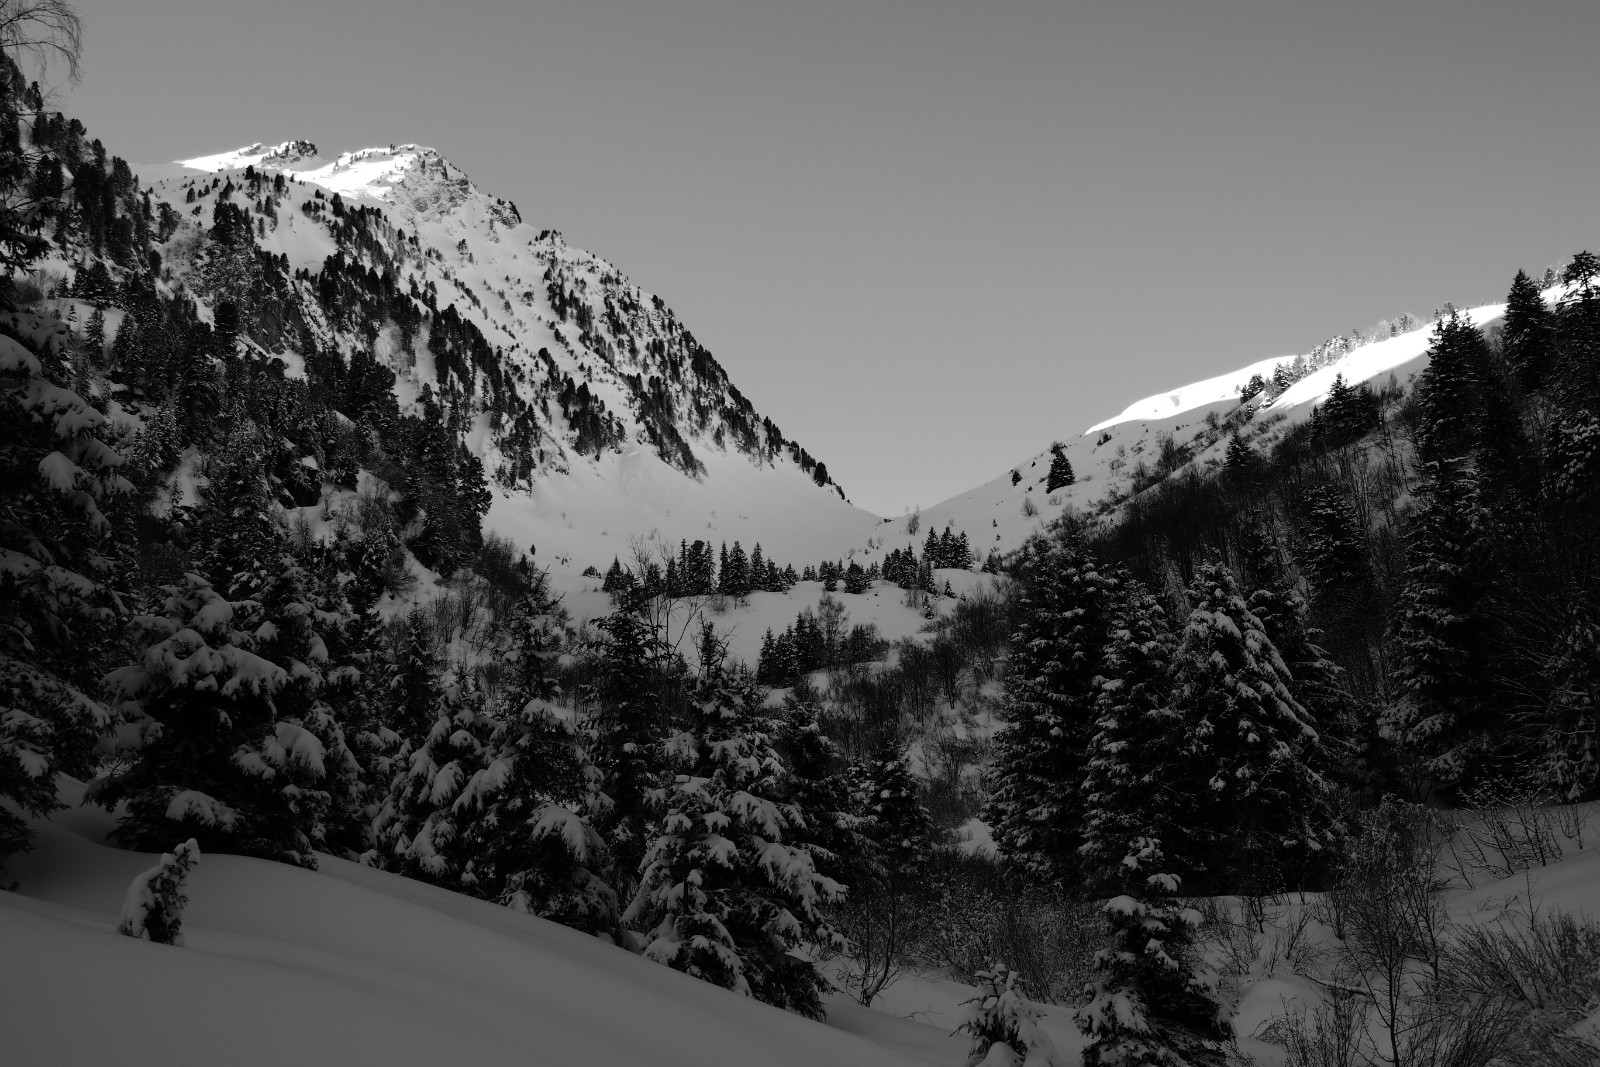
{"x": 1442, "y": 630}
{"x": 423, "y": 826}
{"x": 631, "y": 718}
{"x": 1060, "y": 475}
{"x": 1449, "y": 390}
{"x": 1572, "y": 732}
{"x": 727, "y": 890}
{"x": 208, "y": 756}
{"x": 895, "y": 819}
{"x": 1065, "y": 601}
{"x": 1525, "y": 334}
{"x": 1264, "y": 806}
{"x": 59, "y": 554}
{"x": 1149, "y": 1004}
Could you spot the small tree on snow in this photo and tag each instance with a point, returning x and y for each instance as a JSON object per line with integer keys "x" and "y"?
{"x": 153, "y": 909}
{"x": 1004, "y": 1027}
{"x": 1149, "y": 1007}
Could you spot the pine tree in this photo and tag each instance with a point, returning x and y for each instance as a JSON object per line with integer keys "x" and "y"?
{"x": 153, "y": 908}
{"x": 631, "y": 718}
{"x": 855, "y": 579}
{"x": 1334, "y": 549}
{"x": 534, "y": 794}
{"x": 1264, "y": 807}
{"x": 1572, "y": 732}
{"x": 1241, "y": 461}
{"x": 1526, "y": 333}
{"x": 896, "y": 821}
{"x": 208, "y": 756}
{"x": 1139, "y": 767}
{"x": 1449, "y": 390}
{"x": 727, "y": 891}
{"x": 1442, "y": 630}
{"x": 59, "y": 554}
{"x": 1149, "y": 1005}
{"x": 1065, "y": 602}
{"x": 423, "y": 826}
{"x": 1060, "y": 475}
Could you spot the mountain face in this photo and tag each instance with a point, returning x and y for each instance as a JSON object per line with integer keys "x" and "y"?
{"x": 1187, "y": 429}
{"x": 596, "y": 415}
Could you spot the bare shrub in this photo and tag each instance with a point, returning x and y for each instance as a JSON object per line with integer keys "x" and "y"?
{"x": 974, "y": 915}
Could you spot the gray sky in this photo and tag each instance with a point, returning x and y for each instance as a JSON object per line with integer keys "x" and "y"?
{"x": 928, "y": 238}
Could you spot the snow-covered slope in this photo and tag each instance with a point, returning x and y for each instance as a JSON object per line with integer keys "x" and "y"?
{"x": 1106, "y": 456}
{"x": 348, "y": 965}
{"x": 599, "y": 418}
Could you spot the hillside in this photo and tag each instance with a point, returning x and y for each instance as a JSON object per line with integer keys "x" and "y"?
{"x": 358, "y": 966}
{"x": 597, "y": 416}
{"x": 1121, "y": 455}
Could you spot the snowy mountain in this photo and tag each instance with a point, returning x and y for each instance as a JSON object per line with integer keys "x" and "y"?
{"x": 1186, "y": 428}
{"x": 597, "y": 415}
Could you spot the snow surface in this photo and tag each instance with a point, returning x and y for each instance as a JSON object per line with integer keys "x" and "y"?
{"x": 350, "y": 965}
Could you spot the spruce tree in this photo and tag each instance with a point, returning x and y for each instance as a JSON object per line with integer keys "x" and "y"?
{"x": 631, "y": 718}
{"x": 1442, "y": 631}
{"x": 1264, "y": 812}
{"x": 208, "y": 756}
{"x": 60, "y": 553}
{"x": 423, "y": 827}
{"x": 1149, "y": 1004}
{"x": 1065, "y": 602}
{"x": 1060, "y": 475}
{"x": 1571, "y": 734}
{"x": 895, "y": 819}
{"x": 1525, "y": 334}
{"x": 728, "y": 890}
{"x": 1449, "y": 390}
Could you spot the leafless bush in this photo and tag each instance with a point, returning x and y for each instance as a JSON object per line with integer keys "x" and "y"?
{"x": 1331, "y": 1034}
{"x": 974, "y": 916}
{"x": 1547, "y": 968}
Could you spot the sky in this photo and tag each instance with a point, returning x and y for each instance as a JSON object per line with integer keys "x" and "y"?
{"x": 928, "y": 238}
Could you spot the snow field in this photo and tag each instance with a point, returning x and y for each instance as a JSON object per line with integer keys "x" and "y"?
{"x": 348, "y": 965}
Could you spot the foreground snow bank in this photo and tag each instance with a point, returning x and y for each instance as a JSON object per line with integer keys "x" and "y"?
{"x": 348, "y": 965}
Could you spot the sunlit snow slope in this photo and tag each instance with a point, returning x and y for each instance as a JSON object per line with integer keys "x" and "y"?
{"x": 731, "y": 480}
{"x": 1106, "y": 456}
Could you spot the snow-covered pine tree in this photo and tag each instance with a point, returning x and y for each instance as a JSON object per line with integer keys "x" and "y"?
{"x": 728, "y": 890}
{"x": 1332, "y": 545}
{"x": 1139, "y": 769}
{"x": 818, "y": 785}
{"x": 1442, "y": 629}
{"x": 532, "y": 840}
{"x": 208, "y": 755}
{"x": 1065, "y": 601}
{"x": 894, "y": 817}
{"x": 1264, "y": 811}
{"x": 1150, "y": 1005}
{"x": 999, "y": 1014}
{"x": 1572, "y": 733}
{"x": 632, "y": 713}
{"x": 1241, "y": 461}
{"x": 421, "y": 827}
{"x": 59, "y": 555}
{"x": 1449, "y": 390}
{"x": 1060, "y": 475}
{"x": 153, "y": 907}
{"x": 298, "y": 614}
